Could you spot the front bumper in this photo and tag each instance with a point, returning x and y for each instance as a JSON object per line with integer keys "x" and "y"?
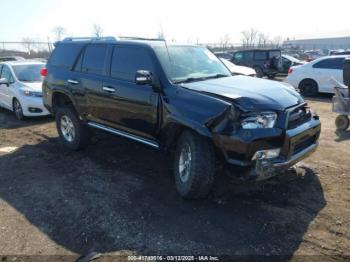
{"x": 295, "y": 144}
{"x": 267, "y": 168}
{"x": 33, "y": 106}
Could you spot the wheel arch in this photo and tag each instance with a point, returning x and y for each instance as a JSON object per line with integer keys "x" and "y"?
{"x": 59, "y": 99}
{"x": 173, "y": 130}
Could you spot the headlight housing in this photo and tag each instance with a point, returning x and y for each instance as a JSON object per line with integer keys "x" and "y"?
{"x": 32, "y": 93}
{"x": 259, "y": 120}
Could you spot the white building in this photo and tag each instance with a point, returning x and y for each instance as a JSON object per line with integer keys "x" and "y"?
{"x": 319, "y": 43}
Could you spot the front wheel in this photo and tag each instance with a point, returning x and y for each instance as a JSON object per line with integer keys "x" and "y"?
{"x": 342, "y": 122}
{"x": 194, "y": 166}
{"x": 17, "y": 108}
{"x": 74, "y": 134}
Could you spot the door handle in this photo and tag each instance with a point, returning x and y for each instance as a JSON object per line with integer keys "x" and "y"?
{"x": 108, "y": 89}
{"x": 73, "y": 82}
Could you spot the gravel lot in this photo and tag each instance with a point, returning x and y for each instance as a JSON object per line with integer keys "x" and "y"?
{"x": 118, "y": 197}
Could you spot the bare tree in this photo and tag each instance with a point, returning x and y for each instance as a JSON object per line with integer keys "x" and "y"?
{"x": 224, "y": 41}
{"x": 249, "y": 37}
{"x": 97, "y": 30}
{"x": 160, "y": 35}
{"x": 277, "y": 41}
{"x": 28, "y": 44}
{"x": 263, "y": 39}
{"x": 59, "y": 31}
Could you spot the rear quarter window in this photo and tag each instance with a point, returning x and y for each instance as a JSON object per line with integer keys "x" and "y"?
{"x": 65, "y": 55}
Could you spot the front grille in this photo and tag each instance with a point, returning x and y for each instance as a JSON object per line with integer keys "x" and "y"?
{"x": 304, "y": 144}
{"x": 299, "y": 116}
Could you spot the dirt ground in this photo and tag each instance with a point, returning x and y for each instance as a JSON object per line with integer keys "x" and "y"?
{"x": 118, "y": 197}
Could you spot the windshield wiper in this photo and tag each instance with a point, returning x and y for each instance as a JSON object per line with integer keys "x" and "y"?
{"x": 189, "y": 79}
{"x": 216, "y": 76}
{"x": 193, "y": 79}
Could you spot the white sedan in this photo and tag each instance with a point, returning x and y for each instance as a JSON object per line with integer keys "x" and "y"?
{"x": 314, "y": 77}
{"x": 238, "y": 70}
{"x": 20, "y": 88}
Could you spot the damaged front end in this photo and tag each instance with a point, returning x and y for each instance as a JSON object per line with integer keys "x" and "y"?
{"x": 265, "y": 144}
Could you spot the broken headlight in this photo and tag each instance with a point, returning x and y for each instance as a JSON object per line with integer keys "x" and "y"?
{"x": 259, "y": 120}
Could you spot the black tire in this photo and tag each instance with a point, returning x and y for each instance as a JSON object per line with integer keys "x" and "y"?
{"x": 201, "y": 170}
{"x": 308, "y": 88}
{"x": 81, "y": 136}
{"x": 342, "y": 122}
{"x": 17, "y": 109}
{"x": 259, "y": 72}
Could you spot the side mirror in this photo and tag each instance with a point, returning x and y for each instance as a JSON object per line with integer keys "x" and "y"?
{"x": 4, "y": 81}
{"x": 143, "y": 77}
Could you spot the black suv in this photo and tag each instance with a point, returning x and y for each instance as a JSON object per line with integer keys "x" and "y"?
{"x": 266, "y": 62}
{"x": 182, "y": 100}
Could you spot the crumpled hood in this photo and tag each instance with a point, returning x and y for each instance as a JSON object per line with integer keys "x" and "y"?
{"x": 250, "y": 93}
{"x": 33, "y": 86}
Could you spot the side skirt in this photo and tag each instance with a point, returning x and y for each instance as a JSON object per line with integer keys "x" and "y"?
{"x": 125, "y": 134}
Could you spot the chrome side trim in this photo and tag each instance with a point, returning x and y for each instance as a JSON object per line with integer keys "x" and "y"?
{"x": 124, "y": 134}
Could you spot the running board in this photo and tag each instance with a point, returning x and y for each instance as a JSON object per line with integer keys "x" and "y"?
{"x": 124, "y": 134}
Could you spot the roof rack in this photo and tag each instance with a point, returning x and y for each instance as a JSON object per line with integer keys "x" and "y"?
{"x": 141, "y": 38}
{"x": 88, "y": 38}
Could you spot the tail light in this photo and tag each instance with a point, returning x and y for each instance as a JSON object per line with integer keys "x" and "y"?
{"x": 43, "y": 71}
{"x": 290, "y": 70}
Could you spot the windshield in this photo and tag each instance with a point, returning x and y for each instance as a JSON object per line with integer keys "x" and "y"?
{"x": 190, "y": 63}
{"x": 28, "y": 73}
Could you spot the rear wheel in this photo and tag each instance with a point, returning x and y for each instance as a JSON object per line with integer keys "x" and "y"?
{"x": 259, "y": 72}
{"x": 194, "y": 166}
{"x": 308, "y": 87}
{"x": 17, "y": 108}
{"x": 74, "y": 134}
{"x": 342, "y": 122}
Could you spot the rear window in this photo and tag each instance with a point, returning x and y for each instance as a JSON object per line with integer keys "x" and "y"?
{"x": 65, "y": 55}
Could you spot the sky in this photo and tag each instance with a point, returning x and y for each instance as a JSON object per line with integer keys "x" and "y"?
{"x": 182, "y": 20}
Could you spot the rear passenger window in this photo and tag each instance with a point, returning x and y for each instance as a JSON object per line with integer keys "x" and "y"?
{"x": 127, "y": 60}
{"x": 94, "y": 59}
{"x": 65, "y": 55}
{"x": 331, "y": 63}
{"x": 260, "y": 55}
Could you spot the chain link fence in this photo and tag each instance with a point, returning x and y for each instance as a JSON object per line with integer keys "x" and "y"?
{"x": 28, "y": 50}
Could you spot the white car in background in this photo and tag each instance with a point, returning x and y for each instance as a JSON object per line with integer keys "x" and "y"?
{"x": 20, "y": 88}
{"x": 314, "y": 77}
{"x": 238, "y": 70}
